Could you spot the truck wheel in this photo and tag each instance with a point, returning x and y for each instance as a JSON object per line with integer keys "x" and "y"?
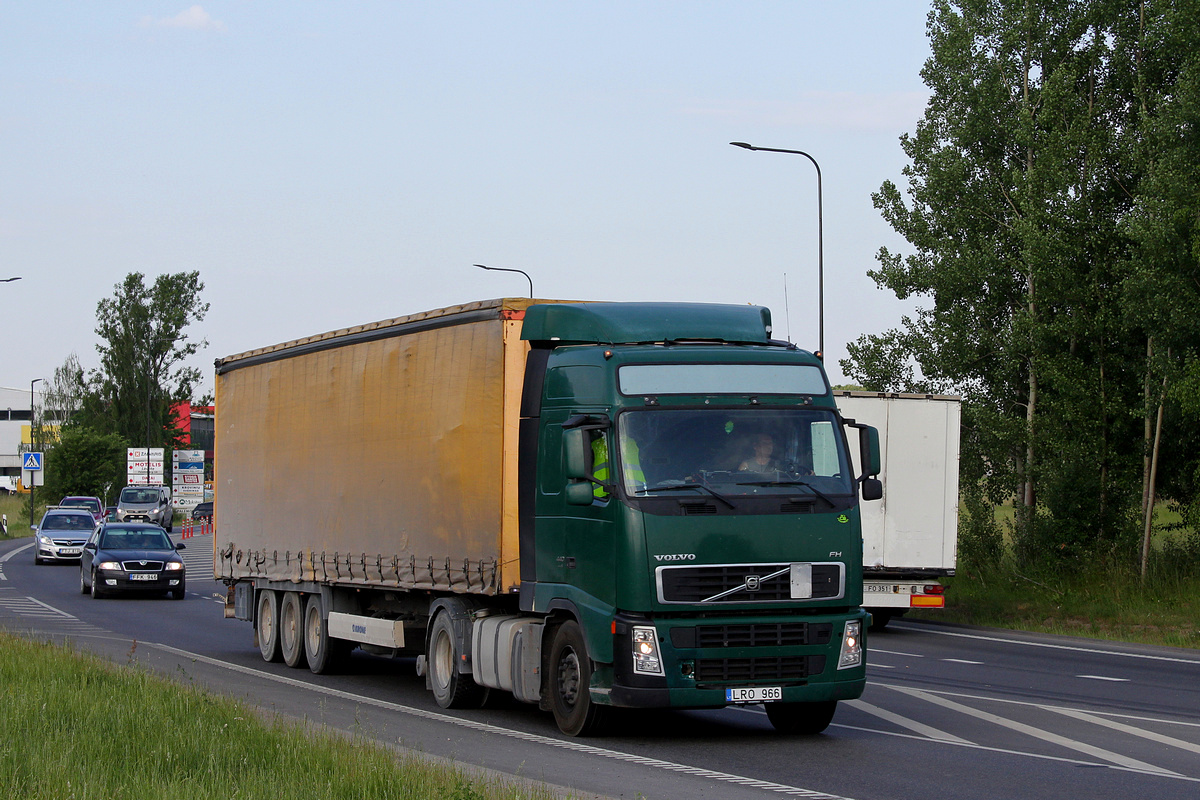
{"x": 291, "y": 629}
{"x": 451, "y": 688}
{"x": 324, "y": 654}
{"x": 569, "y": 676}
{"x": 267, "y": 625}
{"x": 803, "y": 718}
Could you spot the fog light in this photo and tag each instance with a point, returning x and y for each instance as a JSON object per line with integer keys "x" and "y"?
{"x": 645, "y": 651}
{"x": 852, "y": 651}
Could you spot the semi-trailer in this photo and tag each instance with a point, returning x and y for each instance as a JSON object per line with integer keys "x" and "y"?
{"x": 592, "y": 506}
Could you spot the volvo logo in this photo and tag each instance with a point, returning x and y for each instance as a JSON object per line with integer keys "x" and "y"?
{"x": 753, "y": 582}
{"x": 676, "y": 557}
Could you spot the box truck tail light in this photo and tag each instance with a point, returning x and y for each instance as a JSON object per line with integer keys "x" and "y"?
{"x": 934, "y": 588}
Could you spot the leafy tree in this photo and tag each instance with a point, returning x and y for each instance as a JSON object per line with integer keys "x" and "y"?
{"x": 84, "y": 462}
{"x": 1031, "y": 175}
{"x": 144, "y": 344}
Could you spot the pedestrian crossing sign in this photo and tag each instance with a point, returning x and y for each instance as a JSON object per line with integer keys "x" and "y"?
{"x": 32, "y": 462}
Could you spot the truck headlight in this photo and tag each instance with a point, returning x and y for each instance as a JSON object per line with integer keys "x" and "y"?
{"x": 852, "y": 650}
{"x": 646, "y": 660}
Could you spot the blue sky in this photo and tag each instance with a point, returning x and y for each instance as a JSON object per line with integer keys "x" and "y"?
{"x": 329, "y": 164}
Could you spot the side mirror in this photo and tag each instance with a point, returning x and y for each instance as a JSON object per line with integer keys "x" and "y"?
{"x": 180, "y": 546}
{"x": 577, "y": 456}
{"x": 868, "y": 444}
{"x": 872, "y": 489}
{"x": 90, "y": 546}
{"x": 580, "y": 494}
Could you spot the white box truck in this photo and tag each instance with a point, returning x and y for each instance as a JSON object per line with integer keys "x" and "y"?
{"x": 910, "y": 539}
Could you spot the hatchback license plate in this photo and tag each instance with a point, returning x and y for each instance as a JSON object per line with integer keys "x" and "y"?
{"x": 143, "y": 576}
{"x": 754, "y": 694}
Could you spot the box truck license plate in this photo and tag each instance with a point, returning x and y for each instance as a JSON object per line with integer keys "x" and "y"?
{"x": 753, "y": 694}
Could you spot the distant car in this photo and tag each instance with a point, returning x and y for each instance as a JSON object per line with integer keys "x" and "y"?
{"x": 92, "y": 504}
{"x": 203, "y": 510}
{"x": 61, "y": 534}
{"x": 110, "y": 513}
{"x": 135, "y": 557}
{"x": 145, "y": 504}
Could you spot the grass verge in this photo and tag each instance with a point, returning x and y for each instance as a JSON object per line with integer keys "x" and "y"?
{"x": 75, "y": 726}
{"x": 1101, "y": 603}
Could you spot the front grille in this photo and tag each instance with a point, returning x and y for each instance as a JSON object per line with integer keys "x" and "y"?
{"x": 140, "y": 566}
{"x": 743, "y": 583}
{"x": 690, "y": 509}
{"x": 758, "y": 670}
{"x": 763, "y": 634}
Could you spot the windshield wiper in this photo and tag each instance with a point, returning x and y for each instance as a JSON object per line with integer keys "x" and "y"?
{"x": 674, "y": 487}
{"x": 805, "y": 484}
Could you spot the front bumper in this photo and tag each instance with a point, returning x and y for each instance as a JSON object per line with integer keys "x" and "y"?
{"x": 141, "y": 581}
{"x": 60, "y": 549}
{"x": 703, "y": 658}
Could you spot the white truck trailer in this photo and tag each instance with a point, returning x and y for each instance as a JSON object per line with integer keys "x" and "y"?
{"x": 910, "y": 539}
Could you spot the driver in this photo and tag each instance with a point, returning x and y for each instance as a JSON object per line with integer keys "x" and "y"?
{"x": 763, "y": 459}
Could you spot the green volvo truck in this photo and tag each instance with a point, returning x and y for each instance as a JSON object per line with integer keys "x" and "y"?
{"x": 593, "y": 506}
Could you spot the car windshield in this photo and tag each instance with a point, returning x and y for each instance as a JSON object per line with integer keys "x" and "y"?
{"x": 68, "y": 522}
{"x": 139, "y": 495}
{"x": 736, "y": 451}
{"x": 134, "y": 539}
{"x": 90, "y": 503}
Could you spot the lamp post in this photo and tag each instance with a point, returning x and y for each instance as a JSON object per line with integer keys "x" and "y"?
{"x": 820, "y": 239}
{"x": 32, "y": 448}
{"x": 506, "y": 269}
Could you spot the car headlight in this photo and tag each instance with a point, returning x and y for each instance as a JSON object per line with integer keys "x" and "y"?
{"x": 646, "y": 660}
{"x": 852, "y": 649}
{"x": 44, "y": 539}
{"x": 109, "y": 565}
{"x": 174, "y": 566}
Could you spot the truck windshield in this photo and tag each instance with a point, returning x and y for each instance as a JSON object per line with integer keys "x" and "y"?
{"x": 734, "y": 452}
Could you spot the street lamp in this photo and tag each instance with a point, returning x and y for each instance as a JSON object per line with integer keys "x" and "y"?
{"x": 505, "y": 269}
{"x": 32, "y": 448}
{"x": 820, "y": 239}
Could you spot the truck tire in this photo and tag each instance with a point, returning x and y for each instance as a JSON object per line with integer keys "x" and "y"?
{"x": 266, "y": 625}
{"x": 291, "y": 629}
{"x": 325, "y": 654}
{"x": 569, "y": 675}
{"x": 451, "y": 688}
{"x": 879, "y": 619}
{"x": 802, "y": 718}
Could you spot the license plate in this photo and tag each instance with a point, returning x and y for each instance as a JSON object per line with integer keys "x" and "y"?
{"x": 69, "y": 551}
{"x": 753, "y": 694}
{"x": 143, "y": 576}
{"x": 876, "y": 587}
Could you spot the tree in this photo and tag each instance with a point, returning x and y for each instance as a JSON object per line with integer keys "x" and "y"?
{"x": 143, "y": 347}
{"x": 1025, "y": 174}
{"x": 85, "y": 462}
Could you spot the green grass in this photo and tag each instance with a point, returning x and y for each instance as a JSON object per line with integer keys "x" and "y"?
{"x": 73, "y": 725}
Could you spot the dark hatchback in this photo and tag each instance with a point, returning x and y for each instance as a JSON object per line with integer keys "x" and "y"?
{"x": 131, "y": 557}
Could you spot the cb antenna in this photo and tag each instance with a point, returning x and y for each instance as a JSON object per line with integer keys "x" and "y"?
{"x": 787, "y": 314}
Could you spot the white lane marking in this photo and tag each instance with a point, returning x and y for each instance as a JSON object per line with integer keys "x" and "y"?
{"x": 892, "y": 652}
{"x": 1103, "y": 678}
{"x": 9, "y": 555}
{"x": 1037, "y": 733}
{"x": 616, "y": 755}
{"x": 1006, "y": 751}
{"x": 961, "y": 661}
{"x": 1129, "y": 729}
{"x": 1050, "y": 646}
{"x": 881, "y": 666}
{"x": 905, "y": 722}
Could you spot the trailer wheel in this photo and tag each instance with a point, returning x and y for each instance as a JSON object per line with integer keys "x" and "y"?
{"x": 570, "y": 675}
{"x": 803, "y": 718}
{"x": 324, "y": 653}
{"x": 291, "y": 629}
{"x": 451, "y": 688}
{"x": 879, "y": 619}
{"x": 266, "y": 625}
